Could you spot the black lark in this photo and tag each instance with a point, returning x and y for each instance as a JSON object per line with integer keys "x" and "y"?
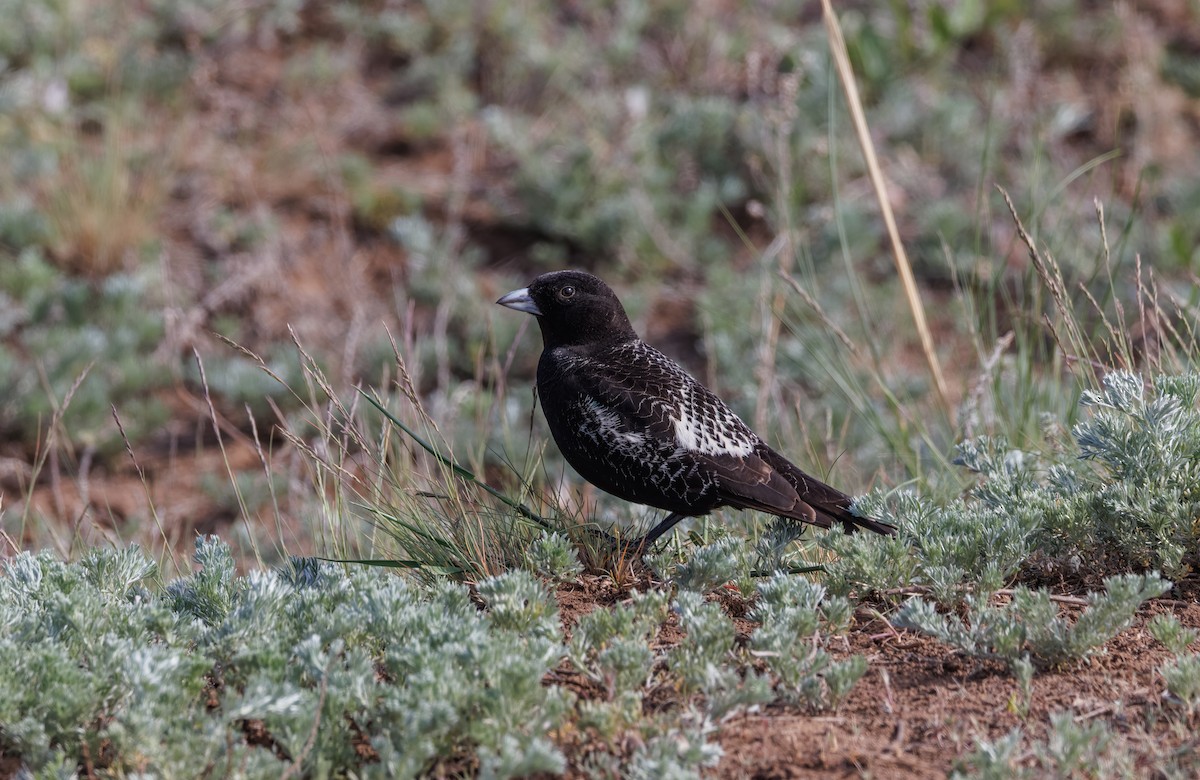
{"x": 632, "y": 422}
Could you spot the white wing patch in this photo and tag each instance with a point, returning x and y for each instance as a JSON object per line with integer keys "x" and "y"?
{"x": 607, "y": 426}
{"x": 708, "y": 430}
{"x": 702, "y": 423}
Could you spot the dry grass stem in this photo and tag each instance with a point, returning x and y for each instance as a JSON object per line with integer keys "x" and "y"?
{"x": 229, "y": 470}
{"x": 841, "y": 57}
{"x": 168, "y": 543}
{"x": 828, "y": 322}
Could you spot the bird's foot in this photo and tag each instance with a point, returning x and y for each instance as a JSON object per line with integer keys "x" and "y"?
{"x": 619, "y": 547}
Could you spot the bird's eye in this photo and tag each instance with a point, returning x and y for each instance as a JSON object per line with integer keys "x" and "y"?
{"x": 567, "y": 292}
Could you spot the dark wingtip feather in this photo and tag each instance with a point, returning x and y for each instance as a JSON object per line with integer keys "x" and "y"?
{"x": 839, "y": 512}
{"x": 831, "y": 504}
{"x": 854, "y": 523}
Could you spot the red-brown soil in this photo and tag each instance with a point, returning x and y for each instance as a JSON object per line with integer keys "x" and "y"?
{"x": 922, "y": 705}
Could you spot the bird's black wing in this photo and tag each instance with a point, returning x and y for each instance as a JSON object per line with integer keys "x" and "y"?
{"x": 812, "y": 501}
{"x": 635, "y": 424}
{"x": 743, "y": 470}
{"x": 610, "y": 415}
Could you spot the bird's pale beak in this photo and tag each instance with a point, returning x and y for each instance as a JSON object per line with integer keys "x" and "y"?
{"x": 520, "y": 300}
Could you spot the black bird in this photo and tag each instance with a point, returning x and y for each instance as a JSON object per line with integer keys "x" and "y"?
{"x": 635, "y": 424}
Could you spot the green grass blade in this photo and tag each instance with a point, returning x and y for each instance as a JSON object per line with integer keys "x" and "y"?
{"x": 391, "y": 563}
{"x": 466, "y": 474}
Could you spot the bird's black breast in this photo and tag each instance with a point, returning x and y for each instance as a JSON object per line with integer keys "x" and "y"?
{"x": 635, "y": 425}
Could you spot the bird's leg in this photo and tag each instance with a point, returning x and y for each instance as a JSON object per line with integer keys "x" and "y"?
{"x": 641, "y": 545}
{"x": 602, "y": 536}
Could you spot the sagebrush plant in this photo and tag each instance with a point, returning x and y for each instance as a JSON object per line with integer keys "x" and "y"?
{"x": 83, "y": 350}
{"x": 98, "y": 657}
{"x": 554, "y": 556}
{"x": 795, "y": 615}
{"x": 1166, "y": 628}
{"x": 1120, "y": 492}
{"x": 612, "y": 646}
{"x": 1071, "y": 749}
{"x": 952, "y": 549}
{"x": 1182, "y": 677}
{"x": 705, "y": 661}
{"x": 725, "y": 561}
{"x": 1146, "y": 437}
{"x": 1030, "y": 624}
{"x": 614, "y": 649}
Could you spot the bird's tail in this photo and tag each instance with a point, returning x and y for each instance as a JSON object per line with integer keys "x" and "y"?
{"x": 830, "y": 504}
{"x": 853, "y": 523}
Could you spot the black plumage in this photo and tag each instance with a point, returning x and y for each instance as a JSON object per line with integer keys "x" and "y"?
{"x": 635, "y": 424}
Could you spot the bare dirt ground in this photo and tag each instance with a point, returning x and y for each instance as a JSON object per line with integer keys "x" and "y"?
{"x": 922, "y": 705}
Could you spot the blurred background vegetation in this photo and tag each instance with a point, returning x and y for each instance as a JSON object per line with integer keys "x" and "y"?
{"x": 315, "y": 181}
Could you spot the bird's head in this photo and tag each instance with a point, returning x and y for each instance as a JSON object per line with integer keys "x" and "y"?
{"x": 573, "y": 308}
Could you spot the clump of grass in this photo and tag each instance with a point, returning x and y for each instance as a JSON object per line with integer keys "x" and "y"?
{"x": 103, "y": 205}
{"x": 395, "y": 493}
{"x": 467, "y": 527}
